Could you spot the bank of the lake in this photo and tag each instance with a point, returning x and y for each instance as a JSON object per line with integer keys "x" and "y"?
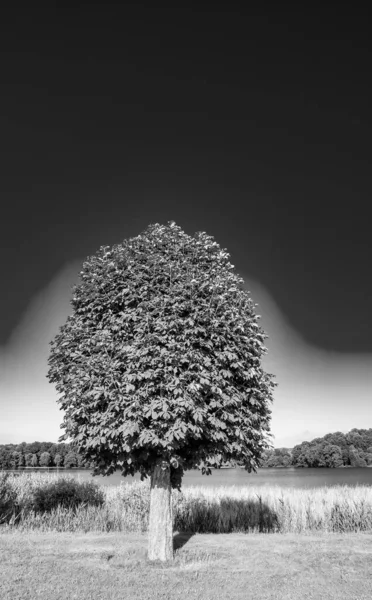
{"x": 49, "y": 502}
{"x": 284, "y": 477}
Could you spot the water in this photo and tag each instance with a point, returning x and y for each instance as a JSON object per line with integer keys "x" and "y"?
{"x": 286, "y": 478}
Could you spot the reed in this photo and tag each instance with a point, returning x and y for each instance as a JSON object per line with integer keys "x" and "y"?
{"x": 126, "y": 507}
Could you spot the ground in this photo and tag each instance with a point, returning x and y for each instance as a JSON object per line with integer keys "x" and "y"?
{"x": 61, "y": 566}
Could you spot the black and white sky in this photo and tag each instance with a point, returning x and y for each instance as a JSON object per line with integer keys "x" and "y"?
{"x": 252, "y": 124}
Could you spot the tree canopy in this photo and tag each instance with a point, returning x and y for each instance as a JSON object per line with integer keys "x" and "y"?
{"x": 335, "y": 450}
{"x": 161, "y": 358}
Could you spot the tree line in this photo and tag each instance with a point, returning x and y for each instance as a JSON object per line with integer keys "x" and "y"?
{"x": 352, "y": 449}
{"x": 40, "y": 454}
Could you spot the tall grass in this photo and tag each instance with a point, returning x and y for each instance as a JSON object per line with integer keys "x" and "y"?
{"x": 275, "y": 509}
{"x": 196, "y": 509}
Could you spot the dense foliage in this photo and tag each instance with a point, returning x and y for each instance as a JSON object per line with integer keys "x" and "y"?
{"x": 336, "y": 449}
{"x": 68, "y": 493}
{"x": 353, "y": 449}
{"x": 40, "y": 454}
{"x": 277, "y": 457}
{"x": 161, "y": 359}
{"x": 7, "y": 499}
{"x": 33, "y": 492}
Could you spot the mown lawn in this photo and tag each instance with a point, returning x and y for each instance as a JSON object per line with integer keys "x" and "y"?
{"x": 113, "y": 566}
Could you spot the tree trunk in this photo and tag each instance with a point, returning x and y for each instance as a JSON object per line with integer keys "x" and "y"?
{"x": 161, "y": 520}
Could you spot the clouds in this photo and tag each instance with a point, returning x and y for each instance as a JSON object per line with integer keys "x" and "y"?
{"x": 318, "y": 392}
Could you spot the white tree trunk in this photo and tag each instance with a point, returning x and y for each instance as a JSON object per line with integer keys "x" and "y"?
{"x": 161, "y": 520}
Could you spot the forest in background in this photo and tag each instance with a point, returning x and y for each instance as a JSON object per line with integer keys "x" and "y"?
{"x": 352, "y": 449}
{"x": 40, "y": 454}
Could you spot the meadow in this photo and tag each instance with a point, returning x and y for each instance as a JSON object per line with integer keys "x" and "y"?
{"x": 125, "y": 508}
{"x": 308, "y": 544}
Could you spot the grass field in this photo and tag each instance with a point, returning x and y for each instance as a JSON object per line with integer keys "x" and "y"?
{"x": 261, "y": 544}
{"x": 66, "y": 566}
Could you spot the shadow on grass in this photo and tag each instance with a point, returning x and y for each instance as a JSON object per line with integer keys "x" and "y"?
{"x": 180, "y": 539}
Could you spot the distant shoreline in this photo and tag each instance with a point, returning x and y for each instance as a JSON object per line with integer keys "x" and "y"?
{"x": 22, "y": 469}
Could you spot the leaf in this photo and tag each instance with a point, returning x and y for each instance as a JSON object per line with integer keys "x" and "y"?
{"x": 162, "y": 338}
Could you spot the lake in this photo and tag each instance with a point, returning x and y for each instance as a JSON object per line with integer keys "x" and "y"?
{"x": 287, "y": 478}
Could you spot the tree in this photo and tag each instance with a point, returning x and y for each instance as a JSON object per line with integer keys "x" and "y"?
{"x": 34, "y": 447}
{"x": 332, "y": 455}
{"x": 317, "y": 457}
{"x": 265, "y": 457}
{"x": 44, "y": 459}
{"x": 44, "y": 447}
{"x": 272, "y": 461}
{"x": 80, "y": 461}
{"x": 159, "y": 366}
{"x": 28, "y": 459}
{"x": 301, "y": 455}
{"x": 21, "y": 447}
{"x": 58, "y": 460}
{"x": 16, "y": 460}
{"x": 286, "y": 460}
{"x": 355, "y": 459}
{"x": 53, "y": 450}
{"x": 70, "y": 460}
{"x": 368, "y": 458}
{"x": 34, "y": 460}
{"x": 5, "y": 459}
{"x": 339, "y": 439}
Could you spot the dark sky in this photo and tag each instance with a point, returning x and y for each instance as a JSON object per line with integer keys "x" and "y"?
{"x": 253, "y": 125}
